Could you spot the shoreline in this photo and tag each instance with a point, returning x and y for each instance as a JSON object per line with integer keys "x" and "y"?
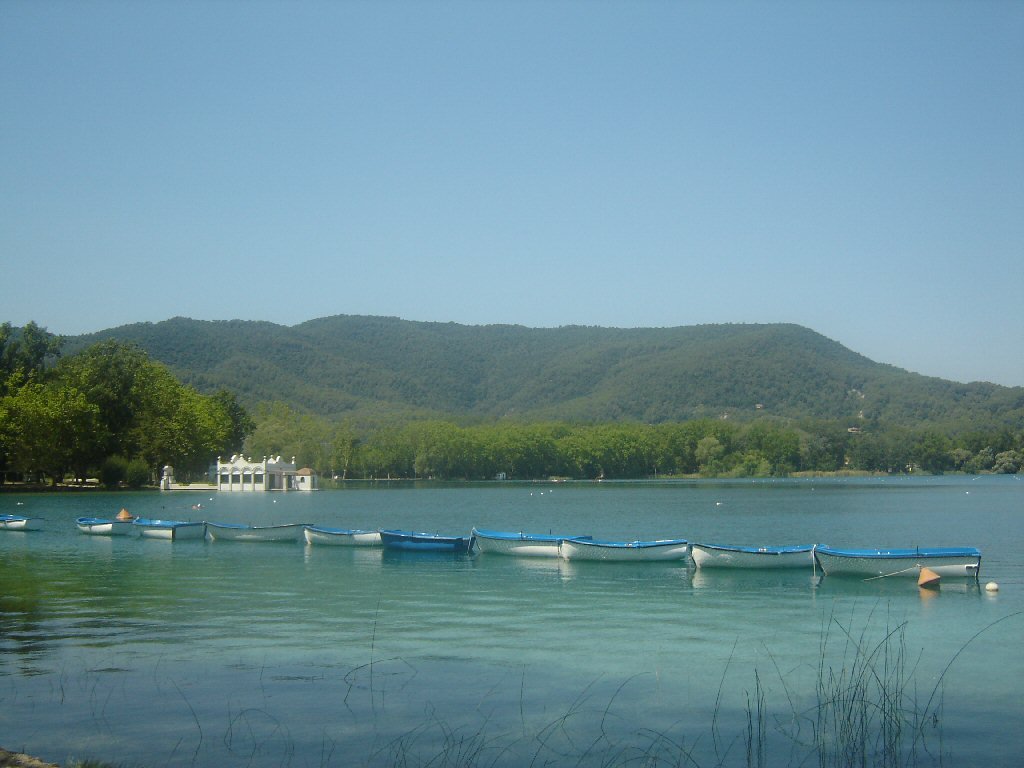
{"x": 21, "y": 760}
{"x": 18, "y": 487}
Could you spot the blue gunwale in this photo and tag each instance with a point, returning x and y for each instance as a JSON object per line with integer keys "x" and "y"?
{"x": 781, "y": 550}
{"x": 520, "y": 536}
{"x": 243, "y": 526}
{"x": 99, "y": 520}
{"x": 340, "y": 531}
{"x": 902, "y": 553}
{"x": 632, "y": 544}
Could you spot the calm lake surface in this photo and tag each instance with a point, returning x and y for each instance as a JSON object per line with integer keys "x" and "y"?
{"x": 197, "y": 653}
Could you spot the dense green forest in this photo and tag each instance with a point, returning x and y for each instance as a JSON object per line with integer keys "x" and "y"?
{"x": 374, "y": 370}
{"x": 623, "y": 450}
{"x": 378, "y": 397}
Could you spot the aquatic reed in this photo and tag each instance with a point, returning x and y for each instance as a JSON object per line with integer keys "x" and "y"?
{"x": 864, "y": 710}
{"x": 862, "y": 715}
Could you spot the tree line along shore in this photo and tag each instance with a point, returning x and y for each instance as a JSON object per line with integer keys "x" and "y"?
{"x": 110, "y": 413}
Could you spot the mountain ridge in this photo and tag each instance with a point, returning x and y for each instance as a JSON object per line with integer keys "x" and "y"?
{"x": 370, "y": 367}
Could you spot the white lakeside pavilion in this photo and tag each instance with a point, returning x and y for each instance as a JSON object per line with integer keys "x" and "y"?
{"x": 271, "y": 474}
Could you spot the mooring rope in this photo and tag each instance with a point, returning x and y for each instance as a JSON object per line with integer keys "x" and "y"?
{"x": 894, "y": 573}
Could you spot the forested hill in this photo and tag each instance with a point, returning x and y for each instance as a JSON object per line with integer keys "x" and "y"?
{"x": 376, "y": 368}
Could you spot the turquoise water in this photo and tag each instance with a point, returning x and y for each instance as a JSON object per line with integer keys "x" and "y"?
{"x": 156, "y": 653}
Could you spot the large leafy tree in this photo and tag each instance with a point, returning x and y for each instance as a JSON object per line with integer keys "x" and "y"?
{"x": 344, "y": 449}
{"x": 110, "y": 375}
{"x": 50, "y": 429}
{"x": 108, "y": 400}
{"x": 25, "y": 353}
{"x": 175, "y": 424}
{"x": 240, "y": 422}
{"x": 285, "y": 432}
{"x": 146, "y": 413}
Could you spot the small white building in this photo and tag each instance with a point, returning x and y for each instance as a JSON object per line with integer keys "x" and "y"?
{"x": 242, "y": 474}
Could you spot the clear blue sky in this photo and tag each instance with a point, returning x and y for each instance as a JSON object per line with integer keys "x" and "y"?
{"x": 853, "y": 167}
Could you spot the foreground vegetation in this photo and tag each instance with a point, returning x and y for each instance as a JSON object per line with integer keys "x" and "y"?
{"x": 109, "y": 411}
{"x": 866, "y": 709}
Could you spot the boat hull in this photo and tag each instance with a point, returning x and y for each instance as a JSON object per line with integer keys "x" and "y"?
{"x": 617, "y": 551}
{"x": 519, "y": 544}
{"x": 233, "y": 532}
{"x": 721, "y": 556}
{"x": 339, "y": 537}
{"x": 98, "y": 526}
{"x": 874, "y": 563}
{"x": 20, "y": 523}
{"x": 409, "y": 541}
{"x": 171, "y": 530}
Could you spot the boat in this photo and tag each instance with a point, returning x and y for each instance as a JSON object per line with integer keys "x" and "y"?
{"x": 174, "y": 530}
{"x": 519, "y": 544}
{"x": 728, "y": 556}
{"x": 624, "y": 551}
{"x": 411, "y": 541}
{"x": 20, "y": 523}
{"x": 242, "y": 532}
{"x": 341, "y": 537}
{"x": 947, "y": 562}
{"x": 104, "y": 526}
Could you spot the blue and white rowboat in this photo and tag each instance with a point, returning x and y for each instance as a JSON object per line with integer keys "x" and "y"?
{"x": 947, "y": 562}
{"x": 241, "y": 532}
{"x": 173, "y": 530}
{"x": 102, "y": 526}
{"x": 411, "y": 541}
{"x": 20, "y": 523}
{"x": 341, "y": 537}
{"x": 519, "y": 544}
{"x": 728, "y": 556}
{"x": 625, "y": 551}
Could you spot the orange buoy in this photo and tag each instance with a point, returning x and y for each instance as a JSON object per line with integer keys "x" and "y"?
{"x": 928, "y": 578}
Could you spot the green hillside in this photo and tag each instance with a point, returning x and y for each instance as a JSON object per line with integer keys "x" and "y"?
{"x": 372, "y": 368}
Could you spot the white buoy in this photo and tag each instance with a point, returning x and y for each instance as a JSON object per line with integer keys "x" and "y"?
{"x": 991, "y": 587}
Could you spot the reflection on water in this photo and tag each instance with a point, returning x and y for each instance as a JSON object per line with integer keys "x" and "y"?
{"x": 359, "y": 557}
{"x": 21, "y": 618}
{"x": 754, "y": 580}
{"x": 445, "y": 561}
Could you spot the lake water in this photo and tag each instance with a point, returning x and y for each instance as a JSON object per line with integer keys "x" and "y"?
{"x": 155, "y": 653}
